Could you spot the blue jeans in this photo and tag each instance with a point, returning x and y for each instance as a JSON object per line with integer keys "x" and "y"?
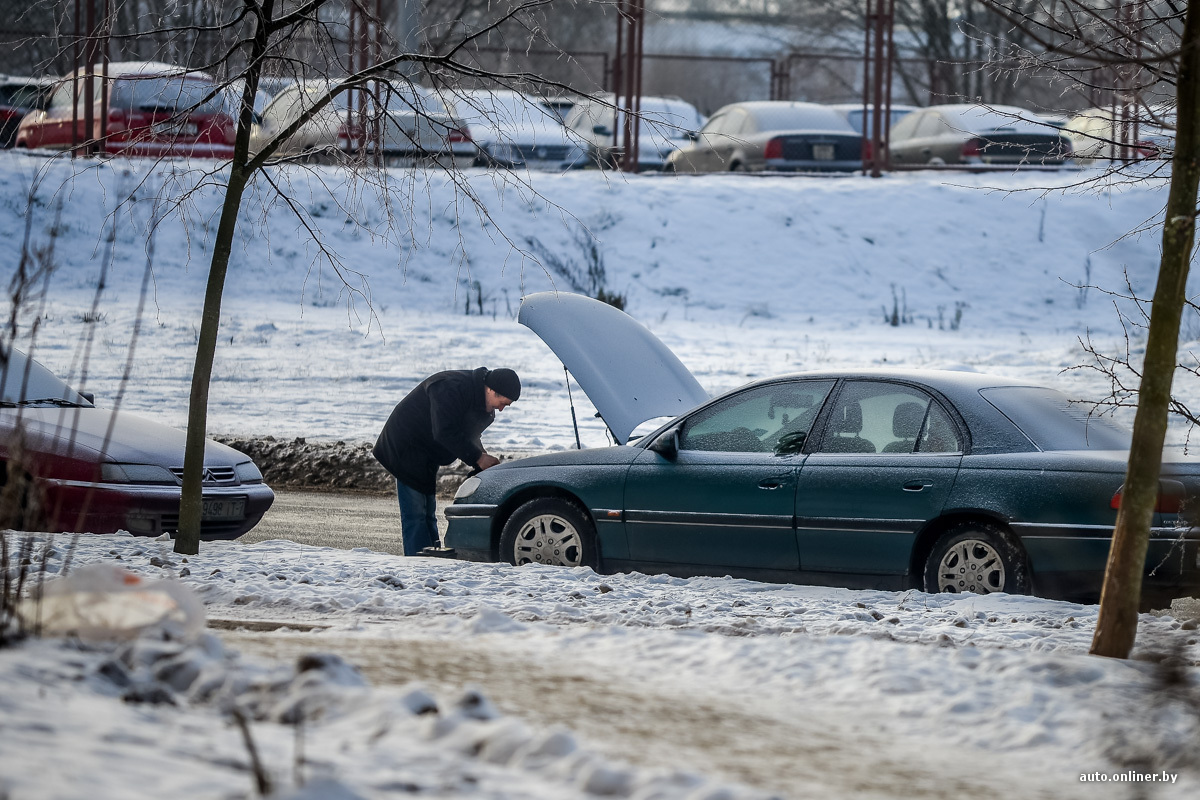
{"x": 418, "y": 521}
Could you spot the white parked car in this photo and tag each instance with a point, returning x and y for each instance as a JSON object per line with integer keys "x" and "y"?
{"x": 416, "y": 127}
{"x": 512, "y": 129}
{"x": 665, "y": 124}
{"x": 1096, "y": 134}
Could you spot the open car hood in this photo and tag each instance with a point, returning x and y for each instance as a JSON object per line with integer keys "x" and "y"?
{"x": 627, "y": 373}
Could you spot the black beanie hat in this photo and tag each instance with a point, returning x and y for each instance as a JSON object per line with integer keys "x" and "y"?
{"x": 504, "y": 382}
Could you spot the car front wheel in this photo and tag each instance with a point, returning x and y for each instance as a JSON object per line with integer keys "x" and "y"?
{"x": 549, "y": 530}
{"x": 977, "y": 557}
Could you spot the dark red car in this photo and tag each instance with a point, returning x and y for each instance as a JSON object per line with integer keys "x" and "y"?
{"x": 82, "y": 468}
{"x": 151, "y": 109}
{"x": 19, "y": 96}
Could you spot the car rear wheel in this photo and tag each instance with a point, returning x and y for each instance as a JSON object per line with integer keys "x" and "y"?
{"x": 549, "y": 530}
{"x": 977, "y": 557}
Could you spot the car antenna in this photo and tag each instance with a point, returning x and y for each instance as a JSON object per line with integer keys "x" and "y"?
{"x": 574, "y": 421}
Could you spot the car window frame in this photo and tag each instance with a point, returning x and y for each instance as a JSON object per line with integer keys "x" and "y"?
{"x": 817, "y": 434}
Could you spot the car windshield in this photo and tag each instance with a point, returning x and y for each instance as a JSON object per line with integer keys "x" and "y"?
{"x": 22, "y": 95}
{"x": 167, "y": 93}
{"x": 1053, "y": 421}
{"x": 997, "y": 118}
{"x": 399, "y": 99}
{"x": 786, "y": 118}
{"x": 41, "y": 387}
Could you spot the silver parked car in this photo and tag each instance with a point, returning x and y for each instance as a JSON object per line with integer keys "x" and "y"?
{"x": 977, "y": 135}
{"x": 513, "y": 129}
{"x": 771, "y": 135}
{"x": 416, "y": 127}
{"x": 665, "y": 123}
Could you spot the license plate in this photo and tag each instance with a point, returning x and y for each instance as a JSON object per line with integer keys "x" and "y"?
{"x": 223, "y": 509}
{"x": 174, "y": 129}
{"x": 823, "y": 152}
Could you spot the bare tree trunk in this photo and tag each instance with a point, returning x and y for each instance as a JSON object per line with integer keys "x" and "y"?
{"x": 1116, "y": 627}
{"x": 191, "y": 504}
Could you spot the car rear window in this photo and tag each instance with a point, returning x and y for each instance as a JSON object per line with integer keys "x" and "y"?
{"x": 785, "y": 118}
{"x": 159, "y": 93}
{"x": 23, "y": 95}
{"x": 1053, "y": 421}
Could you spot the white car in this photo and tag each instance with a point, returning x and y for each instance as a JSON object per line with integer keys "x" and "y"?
{"x": 417, "y": 128}
{"x": 512, "y": 129}
{"x": 664, "y": 125}
{"x": 1096, "y": 134}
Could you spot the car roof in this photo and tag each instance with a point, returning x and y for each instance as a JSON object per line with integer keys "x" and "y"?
{"x": 949, "y": 382}
{"x": 127, "y": 69}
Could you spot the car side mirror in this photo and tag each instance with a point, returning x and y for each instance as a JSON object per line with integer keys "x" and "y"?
{"x": 692, "y": 136}
{"x": 666, "y": 444}
{"x": 89, "y": 396}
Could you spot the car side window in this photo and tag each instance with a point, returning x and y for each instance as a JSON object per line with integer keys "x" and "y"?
{"x": 939, "y": 434}
{"x": 881, "y": 417}
{"x": 907, "y": 126}
{"x": 774, "y": 419}
{"x": 929, "y": 125}
{"x": 714, "y": 125}
{"x": 736, "y": 122}
{"x": 280, "y": 112}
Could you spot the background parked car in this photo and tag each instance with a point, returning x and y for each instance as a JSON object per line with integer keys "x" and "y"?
{"x": 1096, "y": 133}
{"x": 18, "y": 97}
{"x": 887, "y": 479}
{"x": 416, "y": 126}
{"x": 154, "y": 109}
{"x": 853, "y": 112}
{"x": 978, "y": 135}
{"x": 92, "y": 470}
{"x": 771, "y": 135}
{"x": 512, "y": 129}
{"x": 665, "y": 124}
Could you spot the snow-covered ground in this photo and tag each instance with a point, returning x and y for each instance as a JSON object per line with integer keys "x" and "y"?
{"x": 866, "y": 694}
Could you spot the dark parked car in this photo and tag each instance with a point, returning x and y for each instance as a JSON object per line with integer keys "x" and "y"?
{"x": 153, "y": 110}
{"x": 19, "y": 96}
{"x": 91, "y": 470}
{"x": 941, "y": 481}
{"x": 974, "y": 135}
{"x": 771, "y": 135}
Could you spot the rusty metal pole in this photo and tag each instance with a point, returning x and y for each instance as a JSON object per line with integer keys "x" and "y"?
{"x": 637, "y": 101}
{"x": 889, "y": 70}
{"x": 89, "y": 81}
{"x": 352, "y": 67}
{"x": 865, "y": 147}
{"x": 75, "y": 81}
{"x": 106, "y": 31}
{"x": 877, "y": 86}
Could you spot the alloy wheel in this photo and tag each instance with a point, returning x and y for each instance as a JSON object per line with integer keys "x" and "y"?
{"x": 548, "y": 539}
{"x": 971, "y": 565}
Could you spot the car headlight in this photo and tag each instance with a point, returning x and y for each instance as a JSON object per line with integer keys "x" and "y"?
{"x": 467, "y": 488}
{"x": 136, "y": 473}
{"x": 248, "y": 472}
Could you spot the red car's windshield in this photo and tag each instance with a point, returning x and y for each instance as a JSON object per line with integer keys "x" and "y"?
{"x": 24, "y": 381}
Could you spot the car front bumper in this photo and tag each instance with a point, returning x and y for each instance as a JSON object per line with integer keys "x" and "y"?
{"x": 469, "y": 531}
{"x": 144, "y": 510}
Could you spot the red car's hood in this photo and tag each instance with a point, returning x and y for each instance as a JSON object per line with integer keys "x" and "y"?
{"x": 83, "y": 433}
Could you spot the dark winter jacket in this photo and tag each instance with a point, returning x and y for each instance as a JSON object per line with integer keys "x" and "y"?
{"x": 437, "y": 422}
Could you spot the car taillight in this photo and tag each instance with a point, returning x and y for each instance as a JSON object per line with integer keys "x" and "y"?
{"x": 973, "y": 148}
{"x": 774, "y": 149}
{"x": 1171, "y": 495}
{"x": 458, "y": 135}
{"x": 117, "y": 121}
{"x": 349, "y": 136}
{"x": 1147, "y": 149}
{"x": 868, "y": 148}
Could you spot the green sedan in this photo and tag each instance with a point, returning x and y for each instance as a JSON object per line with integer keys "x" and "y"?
{"x": 939, "y": 481}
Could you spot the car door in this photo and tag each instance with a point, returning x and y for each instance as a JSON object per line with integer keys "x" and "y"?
{"x": 887, "y": 458}
{"x": 725, "y": 497}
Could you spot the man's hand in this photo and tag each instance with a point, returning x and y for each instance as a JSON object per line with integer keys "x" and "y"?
{"x": 486, "y": 461}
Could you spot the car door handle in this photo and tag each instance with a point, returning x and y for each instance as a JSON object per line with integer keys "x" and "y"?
{"x": 917, "y": 486}
{"x": 770, "y": 484}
